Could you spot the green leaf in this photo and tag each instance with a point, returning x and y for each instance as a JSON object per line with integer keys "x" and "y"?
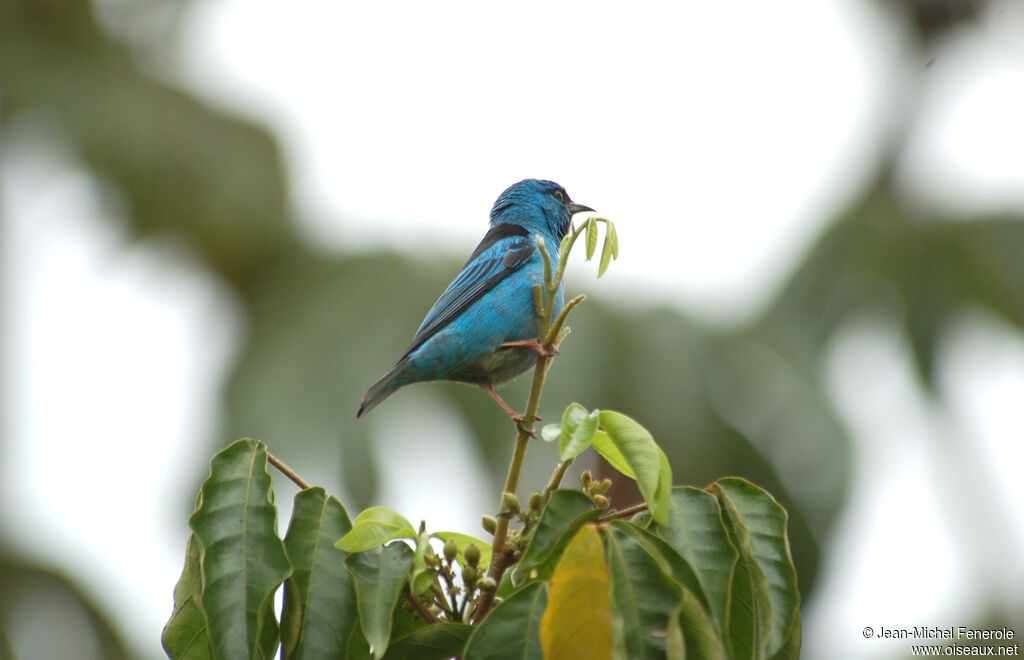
{"x": 319, "y": 610}
{"x": 185, "y": 636}
{"x": 565, "y": 512}
{"x": 791, "y": 649}
{"x": 577, "y": 431}
{"x": 691, "y": 634}
{"x": 591, "y": 237}
{"x": 375, "y": 527}
{"x": 694, "y": 529}
{"x": 421, "y": 576}
{"x": 645, "y": 459}
{"x": 511, "y": 631}
{"x": 758, "y": 524}
{"x": 747, "y": 619}
{"x": 603, "y": 444}
{"x": 550, "y": 432}
{"x": 435, "y": 642}
{"x": 643, "y": 596}
{"x": 612, "y": 237}
{"x": 462, "y": 540}
{"x": 577, "y": 622}
{"x": 241, "y": 557}
{"x": 379, "y": 575}
{"x": 670, "y": 561}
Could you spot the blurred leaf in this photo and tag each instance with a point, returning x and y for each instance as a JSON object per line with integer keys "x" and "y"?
{"x": 421, "y": 576}
{"x": 791, "y": 649}
{"x": 643, "y": 596}
{"x": 591, "y": 237}
{"x": 612, "y": 238}
{"x": 577, "y": 431}
{"x": 604, "y": 446}
{"x": 565, "y": 512}
{"x": 694, "y": 529}
{"x": 691, "y": 634}
{"x": 379, "y": 575}
{"x": 319, "y": 610}
{"x": 375, "y": 527}
{"x": 645, "y": 459}
{"x": 511, "y": 631}
{"x": 242, "y": 559}
{"x": 462, "y": 540}
{"x": 577, "y": 622}
{"x": 550, "y": 432}
{"x": 758, "y": 524}
{"x": 434, "y": 642}
{"x": 185, "y": 636}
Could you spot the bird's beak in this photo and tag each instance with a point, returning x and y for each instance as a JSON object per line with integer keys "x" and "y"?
{"x": 575, "y": 208}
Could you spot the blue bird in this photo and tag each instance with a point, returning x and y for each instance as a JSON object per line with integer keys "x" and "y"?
{"x": 484, "y": 328}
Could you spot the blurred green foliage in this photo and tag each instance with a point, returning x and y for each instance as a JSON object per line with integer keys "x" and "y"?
{"x": 321, "y": 328}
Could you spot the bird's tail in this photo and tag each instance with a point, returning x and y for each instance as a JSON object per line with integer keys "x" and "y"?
{"x": 379, "y": 391}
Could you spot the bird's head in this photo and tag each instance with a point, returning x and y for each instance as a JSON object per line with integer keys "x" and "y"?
{"x": 541, "y": 206}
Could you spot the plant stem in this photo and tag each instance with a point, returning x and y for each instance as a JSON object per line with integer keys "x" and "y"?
{"x": 286, "y": 471}
{"x": 556, "y": 478}
{"x": 424, "y": 613}
{"x": 628, "y": 511}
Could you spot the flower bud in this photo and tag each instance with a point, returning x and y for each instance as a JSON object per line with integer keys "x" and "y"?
{"x": 601, "y": 487}
{"x": 432, "y": 560}
{"x": 451, "y": 549}
{"x": 509, "y": 502}
{"x": 585, "y": 479}
{"x": 536, "y": 502}
{"x": 489, "y": 524}
{"x": 472, "y": 555}
{"x": 601, "y": 501}
{"x": 468, "y": 575}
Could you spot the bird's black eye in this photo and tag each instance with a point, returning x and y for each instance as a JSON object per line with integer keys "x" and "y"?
{"x": 559, "y": 195}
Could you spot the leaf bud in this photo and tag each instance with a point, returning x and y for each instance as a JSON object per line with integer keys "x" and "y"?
{"x": 601, "y": 501}
{"x": 536, "y": 502}
{"x": 509, "y": 502}
{"x": 488, "y": 584}
{"x": 472, "y": 555}
{"x": 586, "y": 479}
{"x": 451, "y": 549}
{"x": 489, "y": 524}
{"x": 601, "y": 487}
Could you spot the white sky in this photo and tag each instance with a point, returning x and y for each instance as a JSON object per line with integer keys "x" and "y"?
{"x": 718, "y": 136}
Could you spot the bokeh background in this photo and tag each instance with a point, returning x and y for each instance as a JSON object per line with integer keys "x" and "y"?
{"x": 223, "y": 218}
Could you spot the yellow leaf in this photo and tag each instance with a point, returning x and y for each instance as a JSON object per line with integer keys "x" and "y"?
{"x": 578, "y": 621}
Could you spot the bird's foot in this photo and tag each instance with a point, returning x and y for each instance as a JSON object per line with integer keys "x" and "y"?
{"x": 518, "y": 418}
{"x": 533, "y": 344}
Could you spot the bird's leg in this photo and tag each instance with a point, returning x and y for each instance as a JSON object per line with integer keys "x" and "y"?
{"x": 516, "y": 417}
{"x": 532, "y": 344}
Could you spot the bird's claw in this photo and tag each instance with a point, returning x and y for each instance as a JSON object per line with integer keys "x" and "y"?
{"x": 531, "y": 344}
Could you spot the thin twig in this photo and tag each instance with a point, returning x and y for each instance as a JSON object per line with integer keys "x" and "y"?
{"x": 426, "y": 614}
{"x": 556, "y": 478}
{"x": 628, "y": 511}
{"x": 287, "y": 471}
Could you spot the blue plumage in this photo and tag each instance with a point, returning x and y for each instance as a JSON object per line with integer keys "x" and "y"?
{"x": 489, "y": 304}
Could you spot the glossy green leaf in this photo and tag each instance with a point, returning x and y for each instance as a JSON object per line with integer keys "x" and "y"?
{"x": 603, "y": 444}
{"x": 379, "y": 575}
{"x": 439, "y": 641}
{"x": 747, "y": 618}
{"x": 668, "y": 558}
{"x": 373, "y": 528}
{"x": 577, "y": 621}
{"x": 691, "y": 633}
{"x": 241, "y": 557}
{"x": 694, "y": 529}
{"x": 577, "y": 431}
{"x": 591, "y": 237}
{"x": 319, "y": 610}
{"x": 564, "y": 514}
{"x": 758, "y": 524}
{"x": 185, "y": 636}
{"x": 643, "y": 595}
{"x": 511, "y": 631}
{"x": 645, "y": 459}
{"x": 462, "y": 540}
